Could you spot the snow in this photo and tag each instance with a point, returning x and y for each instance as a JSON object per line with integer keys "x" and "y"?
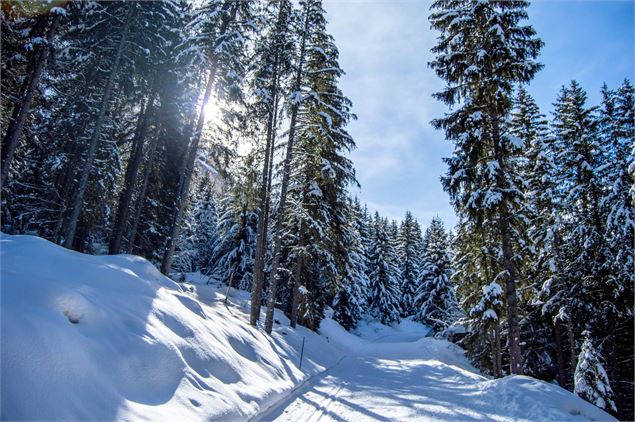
{"x": 393, "y": 373}
{"x": 109, "y": 337}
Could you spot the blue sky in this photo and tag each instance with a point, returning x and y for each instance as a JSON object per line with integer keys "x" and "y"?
{"x": 384, "y": 49}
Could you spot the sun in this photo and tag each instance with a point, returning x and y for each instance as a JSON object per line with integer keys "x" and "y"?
{"x": 211, "y": 112}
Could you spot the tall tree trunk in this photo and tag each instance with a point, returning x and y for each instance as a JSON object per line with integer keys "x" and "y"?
{"x": 515, "y": 356}
{"x": 78, "y": 201}
{"x": 265, "y": 191}
{"x": 130, "y": 180}
{"x": 277, "y": 246}
{"x": 21, "y": 110}
{"x": 297, "y": 272}
{"x": 263, "y": 221}
{"x": 188, "y": 170}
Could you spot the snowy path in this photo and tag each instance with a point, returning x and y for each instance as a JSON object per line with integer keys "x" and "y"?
{"x": 406, "y": 378}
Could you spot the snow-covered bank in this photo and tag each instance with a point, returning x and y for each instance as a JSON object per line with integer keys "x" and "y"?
{"x": 109, "y": 337}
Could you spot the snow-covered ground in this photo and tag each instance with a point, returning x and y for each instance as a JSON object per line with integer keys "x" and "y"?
{"x": 396, "y": 374}
{"x": 109, "y": 337}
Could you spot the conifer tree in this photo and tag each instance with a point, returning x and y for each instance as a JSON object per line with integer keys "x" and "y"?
{"x": 384, "y": 274}
{"x": 435, "y": 301}
{"x": 221, "y": 26}
{"x": 409, "y": 250}
{"x": 351, "y": 298}
{"x": 273, "y": 66}
{"x": 591, "y": 381}
{"x": 482, "y": 52}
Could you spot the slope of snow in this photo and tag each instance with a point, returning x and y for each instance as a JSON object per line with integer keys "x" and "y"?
{"x": 390, "y": 374}
{"x": 109, "y": 337}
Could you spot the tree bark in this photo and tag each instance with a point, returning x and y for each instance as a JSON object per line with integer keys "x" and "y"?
{"x": 186, "y": 175}
{"x": 515, "y": 356}
{"x": 297, "y": 272}
{"x": 69, "y": 234}
{"x": 263, "y": 222}
{"x": 572, "y": 355}
{"x": 559, "y": 356}
{"x": 277, "y": 246}
{"x": 14, "y": 131}
{"x": 497, "y": 346}
{"x": 130, "y": 179}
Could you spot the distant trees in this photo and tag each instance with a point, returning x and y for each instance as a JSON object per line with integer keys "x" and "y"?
{"x": 435, "y": 299}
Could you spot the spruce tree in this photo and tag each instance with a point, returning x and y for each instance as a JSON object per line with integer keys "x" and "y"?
{"x": 591, "y": 380}
{"x": 482, "y": 52}
{"x": 351, "y": 298}
{"x": 384, "y": 274}
{"x": 409, "y": 251}
{"x": 435, "y": 301}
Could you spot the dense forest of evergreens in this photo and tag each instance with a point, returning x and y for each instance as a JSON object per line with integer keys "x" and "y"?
{"x": 211, "y": 136}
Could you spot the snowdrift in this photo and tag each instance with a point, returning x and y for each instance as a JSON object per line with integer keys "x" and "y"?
{"x": 109, "y": 337}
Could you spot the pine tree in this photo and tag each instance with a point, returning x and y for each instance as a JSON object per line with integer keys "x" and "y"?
{"x": 221, "y": 30}
{"x": 351, "y": 298}
{"x": 409, "y": 250}
{"x": 591, "y": 380}
{"x": 233, "y": 252}
{"x": 44, "y": 30}
{"x": 384, "y": 275}
{"x": 435, "y": 301}
{"x": 482, "y": 52}
{"x": 321, "y": 174}
{"x": 273, "y": 67}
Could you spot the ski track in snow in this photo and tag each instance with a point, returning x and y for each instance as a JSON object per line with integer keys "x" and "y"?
{"x": 390, "y": 378}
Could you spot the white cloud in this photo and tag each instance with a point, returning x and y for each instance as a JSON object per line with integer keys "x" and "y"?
{"x": 385, "y": 48}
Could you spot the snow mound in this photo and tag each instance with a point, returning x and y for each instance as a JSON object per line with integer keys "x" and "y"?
{"x": 109, "y": 337}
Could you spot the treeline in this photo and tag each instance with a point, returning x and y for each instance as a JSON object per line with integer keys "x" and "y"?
{"x": 206, "y": 138}
{"x": 544, "y": 247}
{"x": 390, "y": 270}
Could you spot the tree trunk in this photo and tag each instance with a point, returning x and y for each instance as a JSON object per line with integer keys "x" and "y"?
{"x": 515, "y": 356}
{"x": 264, "y": 195}
{"x": 69, "y": 234}
{"x": 572, "y": 355}
{"x": 559, "y": 356}
{"x": 14, "y": 131}
{"x": 497, "y": 348}
{"x": 130, "y": 180}
{"x": 297, "y": 272}
{"x": 263, "y": 222}
{"x": 141, "y": 196}
{"x": 277, "y": 246}
{"x": 186, "y": 175}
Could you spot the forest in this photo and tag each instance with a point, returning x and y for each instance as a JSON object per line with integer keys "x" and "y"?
{"x": 211, "y": 137}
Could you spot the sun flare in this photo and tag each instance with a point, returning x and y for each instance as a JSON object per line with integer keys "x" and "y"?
{"x": 211, "y": 112}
